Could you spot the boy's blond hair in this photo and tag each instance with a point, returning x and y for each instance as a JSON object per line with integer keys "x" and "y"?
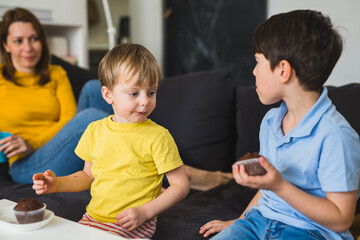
{"x": 128, "y": 60}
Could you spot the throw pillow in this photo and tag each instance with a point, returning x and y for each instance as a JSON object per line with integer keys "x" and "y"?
{"x": 199, "y": 111}
{"x": 249, "y": 114}
{"x": 344, "y": 98}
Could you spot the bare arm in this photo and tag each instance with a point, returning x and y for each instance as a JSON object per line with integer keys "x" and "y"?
{"x": 335, "y": 211}
{"x": 76, "y": 182}
{"x": 178, "y": 189}
{"x": 132, "y": 218}
{"x": 47, "y": 182}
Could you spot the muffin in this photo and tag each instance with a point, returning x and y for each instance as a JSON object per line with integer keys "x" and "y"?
{"x": 29, "y": 210}
{"x": 252, "y": 164}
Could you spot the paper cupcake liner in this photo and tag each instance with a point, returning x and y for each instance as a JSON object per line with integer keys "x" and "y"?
{"x": 24, "y": 217}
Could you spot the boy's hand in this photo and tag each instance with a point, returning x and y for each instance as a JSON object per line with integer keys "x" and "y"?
{"x": 44, "y": 182}
{"x": 214, "y": 226}
{"x": 131, "y": 218}
{"x": 272, "y": 180}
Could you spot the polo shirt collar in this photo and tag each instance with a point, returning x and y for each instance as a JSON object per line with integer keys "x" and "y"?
{"x": 306, "y": 125}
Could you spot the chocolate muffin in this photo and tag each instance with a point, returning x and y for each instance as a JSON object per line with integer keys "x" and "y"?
{"x": 252, "y": 164}
{"x": 249, "y": 155}
{"x": 29, "y": 210}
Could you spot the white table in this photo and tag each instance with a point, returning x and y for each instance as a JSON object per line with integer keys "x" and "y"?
{"x": 57, "y": 228}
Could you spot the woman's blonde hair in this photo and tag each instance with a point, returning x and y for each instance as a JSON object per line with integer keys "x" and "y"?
{"x": 128, "y": 60}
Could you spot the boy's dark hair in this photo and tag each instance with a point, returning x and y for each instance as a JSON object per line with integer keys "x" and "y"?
{"x": 304, "y": 38}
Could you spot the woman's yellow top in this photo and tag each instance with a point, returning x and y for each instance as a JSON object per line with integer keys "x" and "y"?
{"x": 35, "y": 112}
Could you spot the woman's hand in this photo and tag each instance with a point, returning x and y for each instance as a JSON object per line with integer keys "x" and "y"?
{"x": 215, "y": 226}
{"x": 14, "y": 145}
{"x": 272, "y": 180}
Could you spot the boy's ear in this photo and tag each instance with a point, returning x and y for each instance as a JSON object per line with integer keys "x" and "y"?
{"x": 107, "y": 95}
{"x": 285, "y": 71}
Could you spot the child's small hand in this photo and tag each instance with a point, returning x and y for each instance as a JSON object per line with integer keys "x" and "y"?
{"x": 214, "y": 226}
{"x": 131, "y": 218}
{"x": 44, "y": 182}
{"x": 270, "y": 181}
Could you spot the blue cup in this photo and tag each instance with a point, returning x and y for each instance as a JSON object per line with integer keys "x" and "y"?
{"x": 3, "y": 157}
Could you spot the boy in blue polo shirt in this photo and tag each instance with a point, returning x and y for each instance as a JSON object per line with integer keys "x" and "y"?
{"x": 310, "y": 152}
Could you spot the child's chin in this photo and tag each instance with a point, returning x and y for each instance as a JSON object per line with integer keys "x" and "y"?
{"x": 267, "y": 101}
{"x": 139, "y": 120}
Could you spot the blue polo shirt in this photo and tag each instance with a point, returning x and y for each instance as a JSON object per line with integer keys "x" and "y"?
{"x": 321, "y": 154}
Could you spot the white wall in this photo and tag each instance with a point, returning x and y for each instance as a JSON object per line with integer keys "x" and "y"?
{"x": 345, "y": 16}
{"x": 146, "y": 26}
{"x": 98, "y": 36}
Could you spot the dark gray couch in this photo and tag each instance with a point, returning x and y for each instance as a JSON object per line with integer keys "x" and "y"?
{"x": 213, "y": 123}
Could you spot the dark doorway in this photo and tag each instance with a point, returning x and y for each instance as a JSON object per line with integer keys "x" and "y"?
{"x": 203, "y": 35}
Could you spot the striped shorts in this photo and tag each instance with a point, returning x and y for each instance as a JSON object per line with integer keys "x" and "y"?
{"x": 145, "y": 231}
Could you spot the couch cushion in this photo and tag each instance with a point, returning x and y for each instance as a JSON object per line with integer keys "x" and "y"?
{"x": 346, "y": 99}
{"x": 199, "y": 111}
{"x": 183, "y": 221}
{"x": 78, "y": 76}
{"x": 249, "y": 113}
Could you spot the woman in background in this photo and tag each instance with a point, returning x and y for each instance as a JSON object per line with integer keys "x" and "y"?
{"x": 37, "y": 105}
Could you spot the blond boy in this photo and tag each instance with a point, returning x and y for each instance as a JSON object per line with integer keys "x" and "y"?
{"x": 126, "y": 154}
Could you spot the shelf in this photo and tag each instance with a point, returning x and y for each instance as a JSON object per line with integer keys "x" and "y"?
{"x": 65, "y": 18}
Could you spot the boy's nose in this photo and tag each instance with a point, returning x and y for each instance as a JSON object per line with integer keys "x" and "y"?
{"x": 144, "y": 101}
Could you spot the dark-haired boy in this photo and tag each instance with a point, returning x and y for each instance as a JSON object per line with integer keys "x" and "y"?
{"x": 310, "y": 152}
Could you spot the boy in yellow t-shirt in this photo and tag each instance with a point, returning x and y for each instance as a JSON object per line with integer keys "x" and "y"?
{"x": 125, "y": 154}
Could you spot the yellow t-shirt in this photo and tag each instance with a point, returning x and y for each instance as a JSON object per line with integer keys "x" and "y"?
{"x": 128, "y": 164}
{"x": 35, "y": 112}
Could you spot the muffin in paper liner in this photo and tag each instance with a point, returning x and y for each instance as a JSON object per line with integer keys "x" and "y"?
{"x": 252, "y": 166}
{"x": 29, "y": 211}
